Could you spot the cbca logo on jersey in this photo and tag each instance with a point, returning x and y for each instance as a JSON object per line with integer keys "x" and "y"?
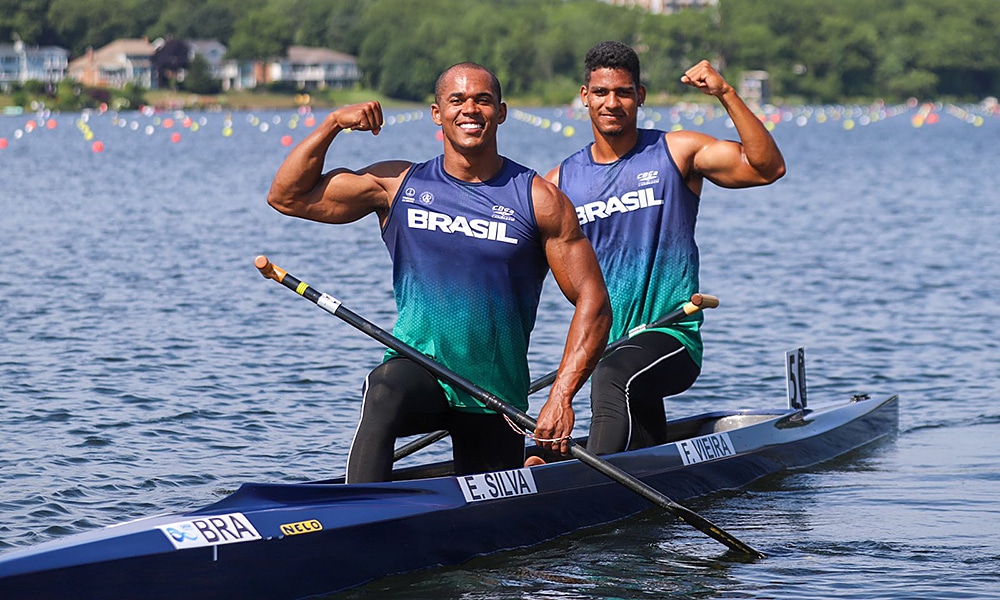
{"x": 427, "y": 198}
{"x": 502, "y": 212}
{"x": 417, "y": 218}
{"x": 648, "y": 177}
{"x": 592, "y": 211}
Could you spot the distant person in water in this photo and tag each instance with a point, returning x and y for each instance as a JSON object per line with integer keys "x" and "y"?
{"x": 472, "y": 235}
{"x": 636, "y": 193}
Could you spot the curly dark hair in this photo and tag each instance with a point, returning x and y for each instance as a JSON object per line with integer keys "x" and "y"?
{"x": 611, "y": 55}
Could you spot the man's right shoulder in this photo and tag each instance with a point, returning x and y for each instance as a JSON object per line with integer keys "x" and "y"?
{"x": 388, "y": 169}
{"x": 553, "y": 176}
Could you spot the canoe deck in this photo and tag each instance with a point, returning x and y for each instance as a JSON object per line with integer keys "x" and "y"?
{"x": 298, "y": 540}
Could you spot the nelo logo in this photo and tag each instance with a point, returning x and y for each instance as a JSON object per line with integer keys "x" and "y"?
{"x": 301, "y": 527}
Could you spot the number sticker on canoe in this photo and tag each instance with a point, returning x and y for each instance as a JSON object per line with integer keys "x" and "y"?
{"x": 494, "y": 486}
{"x": 210, "y": 531}
{"x": 705, "y": 448}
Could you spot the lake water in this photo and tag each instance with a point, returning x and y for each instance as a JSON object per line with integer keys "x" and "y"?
{"x": 145, "y": 366}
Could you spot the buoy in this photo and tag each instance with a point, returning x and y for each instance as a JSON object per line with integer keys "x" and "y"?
{"x": 439, "y": 135}
{"x": 175, "y": 137}
{"x": 3, "y": 143}
{"x": 286, "y": 140}
{"x": 97, "y": 147}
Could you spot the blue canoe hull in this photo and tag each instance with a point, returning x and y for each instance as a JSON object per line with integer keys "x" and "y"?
{"x": 300, "y": 540}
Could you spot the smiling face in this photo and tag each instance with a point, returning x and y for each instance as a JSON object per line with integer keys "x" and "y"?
{"x": 613, "y": 100}
{"x": 468, "y": 109}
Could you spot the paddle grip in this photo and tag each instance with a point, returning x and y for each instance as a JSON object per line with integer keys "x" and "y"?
{"x": 700, "y": 302}
{"x": 268, "y": 269}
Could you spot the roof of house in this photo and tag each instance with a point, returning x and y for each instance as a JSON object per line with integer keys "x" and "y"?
{"x": 113, "y": 52}
{"x": 206, "y": 46}
{"x": 303, "y": 54}
{"x": 12, "y": 48}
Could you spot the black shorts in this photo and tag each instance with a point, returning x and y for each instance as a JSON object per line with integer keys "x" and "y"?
{"x": 628, "y": 388}
{"x": 401, "y": 398}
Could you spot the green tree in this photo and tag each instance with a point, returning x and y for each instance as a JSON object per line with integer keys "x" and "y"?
{"x": 194, "y": 20}
{"x": 25, "y": 20}
{"x": 815, "y": 49}
{"x": 169, "y": 59}
{"x": 84, "y": 23}
{"x": 571, "y": 28}
{"x": 198, "y": 78}
{"x": 669, "y": 46}
{"x": 261, "y": 33}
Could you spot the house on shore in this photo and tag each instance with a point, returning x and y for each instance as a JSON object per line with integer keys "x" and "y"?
{"x": 315, "y": 69}
{"x": 20, "y": 63}
{"x": 302, "y": 68}
{"x": 131, "y": 61}
{"x": 120, "y": 62}
{"x": 214, "y": 53}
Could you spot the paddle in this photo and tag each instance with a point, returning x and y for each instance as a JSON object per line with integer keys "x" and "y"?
{"x": 336, "y": 308}
{"x": 697, "y": 302}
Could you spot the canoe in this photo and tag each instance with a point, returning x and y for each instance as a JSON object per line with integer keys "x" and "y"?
{"x": 299, "y": 540}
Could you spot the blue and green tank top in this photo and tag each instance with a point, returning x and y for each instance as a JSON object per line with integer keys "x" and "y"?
{"x": 468, "y": 267}
{"x": 640, "y": 215}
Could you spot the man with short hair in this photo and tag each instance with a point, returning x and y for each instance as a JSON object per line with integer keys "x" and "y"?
{"x": 636, "y": 193}
{"x": 471, "y": 235}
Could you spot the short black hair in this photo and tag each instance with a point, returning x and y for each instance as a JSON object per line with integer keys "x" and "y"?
{"x": 611, "y": 55}
{"x": 439, "y": 85}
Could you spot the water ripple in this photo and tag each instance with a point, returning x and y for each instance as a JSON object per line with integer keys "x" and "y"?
{"x": 167, "y": 372}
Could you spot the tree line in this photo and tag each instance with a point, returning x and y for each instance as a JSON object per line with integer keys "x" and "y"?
{"x": 814, "y": 50}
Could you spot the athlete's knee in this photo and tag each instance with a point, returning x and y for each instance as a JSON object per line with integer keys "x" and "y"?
{"x": 609, "y": 379}
{"x": 383, "y": 397}
{"x": 388, "y": 386}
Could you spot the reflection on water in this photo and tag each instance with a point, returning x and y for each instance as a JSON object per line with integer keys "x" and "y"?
{"x": 145, "y": 366}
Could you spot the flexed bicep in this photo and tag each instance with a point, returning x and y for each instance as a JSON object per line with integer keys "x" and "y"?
{"x": 301, "y": 189}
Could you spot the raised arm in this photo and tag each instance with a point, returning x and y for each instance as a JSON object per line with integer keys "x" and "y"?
{"x": 755, "y": 160}
{"x": 575, "y": 267}
{"x": 301, "y": 189}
